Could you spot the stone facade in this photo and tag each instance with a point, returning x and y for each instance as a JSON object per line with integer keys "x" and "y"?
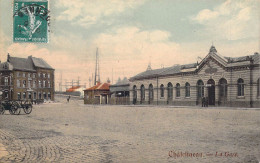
{"x": 224, "y": 81}
{"x": 27, "y": 78}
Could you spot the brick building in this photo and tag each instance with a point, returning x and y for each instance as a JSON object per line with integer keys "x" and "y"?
{"x": 225, "y": 81}
{"x": 26, "y": 78}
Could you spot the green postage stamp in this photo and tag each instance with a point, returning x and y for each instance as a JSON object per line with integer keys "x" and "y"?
{"x": 30, "y": 21}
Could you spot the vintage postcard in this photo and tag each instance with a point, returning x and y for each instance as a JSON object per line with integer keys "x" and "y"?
{"x": 130, "y": 81}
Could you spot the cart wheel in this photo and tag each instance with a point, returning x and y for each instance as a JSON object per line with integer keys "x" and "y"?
{"x": 28, "y": 109}
{"x": 2, "y": 109}
{"x": 15, "y": 110}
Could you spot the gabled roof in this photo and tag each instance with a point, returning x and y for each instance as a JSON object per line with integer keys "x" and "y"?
{"x": 27, "y": 64}
{"x": 6, "y": 66}
{"x": 99, "y": 86}
{"x": 223, "y": 61}
{"x": 39, "y": 62}
{"x": 21, "y": 63}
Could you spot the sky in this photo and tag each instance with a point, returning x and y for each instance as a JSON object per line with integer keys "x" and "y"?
{"x": 130, "y": 34}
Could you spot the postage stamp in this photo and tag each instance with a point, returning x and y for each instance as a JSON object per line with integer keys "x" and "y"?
{"x": 30, "y": 21}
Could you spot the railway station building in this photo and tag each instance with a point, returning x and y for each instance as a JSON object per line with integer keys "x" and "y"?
{"x": 225, "y": 81}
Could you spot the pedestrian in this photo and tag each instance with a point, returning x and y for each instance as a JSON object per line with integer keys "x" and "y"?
{"x": 206, "y": 101}
{"x": 68, "y": 99}
{"x": 203, "y": 101}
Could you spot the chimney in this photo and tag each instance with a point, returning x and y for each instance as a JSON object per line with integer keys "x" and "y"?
{"x": 8, "y": 57}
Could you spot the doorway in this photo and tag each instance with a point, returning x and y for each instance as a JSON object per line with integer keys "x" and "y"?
{"x": 211, "y": 91}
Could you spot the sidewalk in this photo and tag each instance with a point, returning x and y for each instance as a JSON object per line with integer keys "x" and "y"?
{"x": 191, "y": 107}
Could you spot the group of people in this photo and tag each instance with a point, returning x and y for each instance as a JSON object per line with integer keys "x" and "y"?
{"x": 205, "y": 102}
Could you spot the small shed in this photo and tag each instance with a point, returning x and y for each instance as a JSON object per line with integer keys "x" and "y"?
{"x": 98, "y": 94}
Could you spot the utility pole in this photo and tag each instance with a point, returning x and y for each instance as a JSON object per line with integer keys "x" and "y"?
{"x": 89, "y": 82}
{"x": 97, "y": 73}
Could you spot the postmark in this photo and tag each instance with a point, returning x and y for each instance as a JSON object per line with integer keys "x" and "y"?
{"x": 30, "y": 21}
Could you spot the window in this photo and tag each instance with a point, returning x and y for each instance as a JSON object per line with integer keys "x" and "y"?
{"x": 34, "y": 75}
{"x": 40, "y": 84}
{"x": 49, "y": 84}
{"x": 34, "y": 95}
{"x": 18, "y": 74}
{"x": 29, "y": 84}
{"x": 11, "y": 81}
{"x": 40, "y": 95}
{"x": 18, "y": 83}
{"x": 178, "y": 90}
{"x": 44, "y": 84}
{"x": 29, "y": 95}
{"x": 162, "y": 90}
{"x": 34, "y": 84}
{"x": 200, "y": 88}
{"x": 223, "y": 87}
{"x": 24, "y": 95}
{"x": 240, "y": 87}
{"x": 39, "y": 75}
{"x": 150, "y": 92}
{"x": 44, "y": 75}
{"x": 6, "y": 81}
{"x": 24, "y": 75}
{"x": 48, "y": 75}
{"x": 258, "y": 87}
{"x": 19, "y": 96}
{"x": 170, "y": 91}
{"x": 29, "y": 75}
{"x": 24, "y": 84}
{"x": 142, "y": 93}
{"x": 44, "y": 95}
{"x": 187, "y": 90}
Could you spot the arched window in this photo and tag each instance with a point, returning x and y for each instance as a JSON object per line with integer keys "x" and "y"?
{"x": 150, "y": 92}
{"x": 223, "y": 87}
{"x": 240, "y": 87}
{"x": 200, "y": 88}
{"x": 187, "y": 89}
{"x": 178, "y": 90}
{"x": 162, "y": 90}
{"x": 142, "y": 93}
{"x": 170, "y": 90}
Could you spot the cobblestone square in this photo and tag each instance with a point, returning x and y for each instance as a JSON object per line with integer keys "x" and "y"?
{"x": 74, "y": 132}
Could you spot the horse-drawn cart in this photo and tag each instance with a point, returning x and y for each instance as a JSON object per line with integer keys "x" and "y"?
{"x": 15, "y": 107}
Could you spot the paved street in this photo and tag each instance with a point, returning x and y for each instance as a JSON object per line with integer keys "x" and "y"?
{"x": 61, "y": 132}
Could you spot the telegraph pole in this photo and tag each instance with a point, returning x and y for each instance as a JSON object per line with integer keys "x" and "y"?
{"x": 97, "y": 73}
